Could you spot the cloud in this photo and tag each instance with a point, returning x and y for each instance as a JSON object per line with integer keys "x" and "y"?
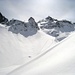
{"x": 23, "y": 9}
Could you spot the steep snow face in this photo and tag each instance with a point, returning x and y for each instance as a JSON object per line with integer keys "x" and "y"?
{"x": 16, "y": 49}
{"x": 56, "y": 28}
{"x": 59, "y": 60}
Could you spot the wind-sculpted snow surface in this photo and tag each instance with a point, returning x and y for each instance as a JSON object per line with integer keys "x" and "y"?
{"x": 60, "y": 60}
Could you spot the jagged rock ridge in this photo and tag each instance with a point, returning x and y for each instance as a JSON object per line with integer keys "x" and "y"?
{"x": 3, "y": 20}
{"x": 25, "y": 28}
{"x": 56, "y": 28}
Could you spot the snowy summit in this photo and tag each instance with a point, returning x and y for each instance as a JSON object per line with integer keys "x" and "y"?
{"x": 45, "y": 47}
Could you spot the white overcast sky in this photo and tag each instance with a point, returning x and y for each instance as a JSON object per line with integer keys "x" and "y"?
{"x": 39, "y": 9}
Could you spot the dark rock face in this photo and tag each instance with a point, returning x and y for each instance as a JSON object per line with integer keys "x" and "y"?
{"x": 25, "y": 28}
{"x": 59, "y": 29}
{"x": 49, "y": 19}
{"x": 50, "y": 23}
{"x": 16, "y": 26}
{"x": 3, "y": 20}
{"x": 56, "y": 28}
{"x": 32, "y": 22}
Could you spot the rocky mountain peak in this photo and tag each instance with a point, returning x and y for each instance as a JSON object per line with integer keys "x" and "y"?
{"x": 3, "y": 19}
{"x": 33, "y": 23}
{"x": 24, "y": 28}
{"x": 56, "y": 28}
{"x": 51, "y": 26}
{"x": 49, "y": 18}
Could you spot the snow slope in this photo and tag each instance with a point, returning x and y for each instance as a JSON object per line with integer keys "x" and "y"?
{"x": 26, "y": 50}
{"x": 16, "y": 49}
{"x": 59, "y": 60}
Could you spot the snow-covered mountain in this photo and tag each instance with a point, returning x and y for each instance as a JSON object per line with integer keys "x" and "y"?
{"x": 27, "y": 29}
{"x": 57, "y": 28}
{"x": 23, "y": 42}
{"x": 16, "y": 26}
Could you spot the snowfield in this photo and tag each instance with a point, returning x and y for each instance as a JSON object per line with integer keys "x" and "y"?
{"x": 59, "y": 60}
{"x": 46, "y": 47}
{"x": 16, "y": 49}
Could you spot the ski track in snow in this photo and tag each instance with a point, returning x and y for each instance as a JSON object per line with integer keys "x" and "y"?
{"x": 16, "y": 71}
{"x": 39, "y": 56}
{"x": 44, "y": 39}
{"x": 45, "y": 48}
